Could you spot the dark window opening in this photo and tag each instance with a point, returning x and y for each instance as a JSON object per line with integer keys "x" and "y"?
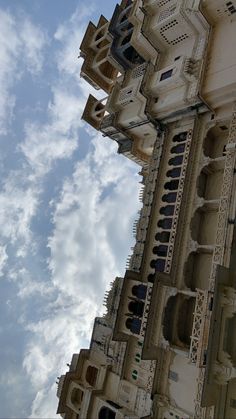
{"x": 158, "y": 265}
{"x": 126, "y": 39}
{"x": 170, "y": 197}
{"x": 163, "y": 237}
{"x": 99, "y": 35}
{"x": 176, "y": 161}
{"x": 134, "y": 325}
{"x": 177, "y": 149}
{"x": 160, "y": 250}
{"x": 135, "y": 374}
{"x": 139, "y": 291}
{"x": 131, "y": 55}
{"x": 136, "y": 308}
{"x": 178, "y": 138}
{"x": 77, "y": 397}
{"x": 166, "y": 75}
{"x": 106, "y": 413}
{"x": 99, "y": 107}
{"x": 168, "y": 210}
{"x": 124, "y": 18}
{"x": 174, "y": 172}
{"x": 166, "y": 223}
{"x": 172, "y": 185}
{"x": 91, "y": 375}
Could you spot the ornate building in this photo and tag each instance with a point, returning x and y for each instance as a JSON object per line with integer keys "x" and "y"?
{"x": 166, "y": 347}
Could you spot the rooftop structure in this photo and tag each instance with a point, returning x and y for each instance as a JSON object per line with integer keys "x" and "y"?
{"x": 166, "y": 347}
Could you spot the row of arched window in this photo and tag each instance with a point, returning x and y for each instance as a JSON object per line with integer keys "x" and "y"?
{"x": 136, "y": 308}
{"x": 165, "y": 224}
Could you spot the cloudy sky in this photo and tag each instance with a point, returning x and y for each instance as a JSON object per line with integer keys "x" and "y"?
{"x": 67, "y": 202}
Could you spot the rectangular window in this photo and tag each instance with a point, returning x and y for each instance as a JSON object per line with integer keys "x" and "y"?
{"x": 173, "y": 376}
{"x": 166, "y": 75}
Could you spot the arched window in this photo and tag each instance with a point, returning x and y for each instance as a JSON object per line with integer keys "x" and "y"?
{"x": 180, "y": 137}
{"x": 160, "y": 250}
{"x": 178, "y": 149}
{"x": 163, "y": 237}
{"x": 166, "y": 223}
{"x": 137, "y": 357}
{"x": 167, "y": 210}
{"x": 175, "y": 172}
{"x": 76, "y": 397}
{"x": 106, "y": 413}
{"x": 172, "y": 185}
{"x": 136, "y": 308}
{"x": 170, "y": 197}
{"x": 158, "y": 265}
{"x": 175, "y": 161}
{"x": 134, "y": 374}
{"x": 91, "y": 375}
{"x": 134, "y": 325}
{"x": 139, "y": 291}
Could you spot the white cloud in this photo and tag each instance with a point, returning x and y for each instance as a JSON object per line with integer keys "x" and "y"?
{"x": 21, "y": 49}
{"x": 9, "y": 45}
{"x": 3, "y": 259}
{"x": 44, "y": 144}
{"x": 44, "y": 403}
{"x": 92, "y": 222}
{"x": 58, "y": 138}
{"x": 91, "y": 217}
{"x": 94, "y": 204}
{"x": 33, "y": 42}
{"x": 18, "y": 203}
{"x": 30, "y": 286}
{"x": 70, "y": 35}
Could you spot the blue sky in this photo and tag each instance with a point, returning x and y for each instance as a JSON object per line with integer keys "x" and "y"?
{"x": 67, "y": 202}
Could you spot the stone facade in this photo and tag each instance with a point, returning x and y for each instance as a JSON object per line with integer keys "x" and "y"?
{"x": 166, "y": 347}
